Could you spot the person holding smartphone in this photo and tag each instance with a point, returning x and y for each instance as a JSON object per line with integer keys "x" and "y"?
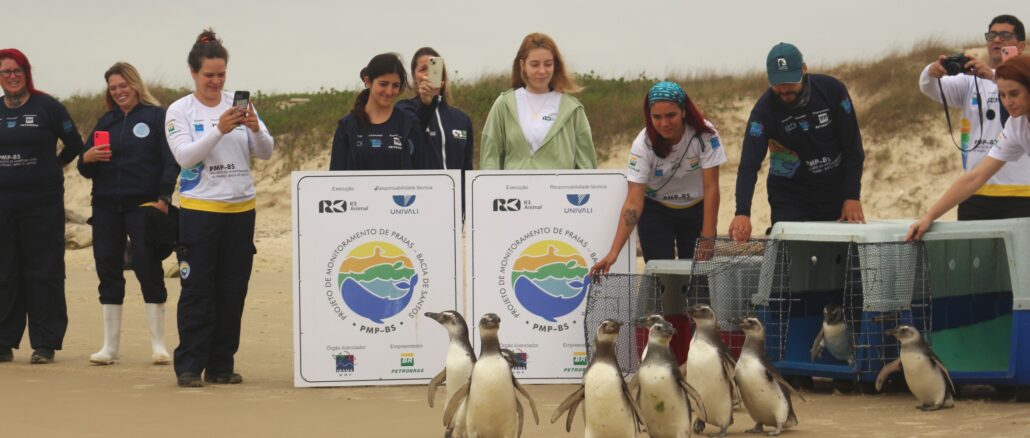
{"x": 213, "y": 140}
{"x": 673, "y": 174}
{"x": 1007, "y": 193}
{"x": 1013, "y": 79}
{"x": 376, "y": 136}
{"x": 32, "y": 211}
{"x": 132, "y": 169}
{"x": 537, "y": 124}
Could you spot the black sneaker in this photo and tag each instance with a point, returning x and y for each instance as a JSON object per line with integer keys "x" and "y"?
{"x": 6, "y": 354}
{"x": 42, "y": 356}
{"x": 223, "y": 379}
{"x": 189, "y": 380}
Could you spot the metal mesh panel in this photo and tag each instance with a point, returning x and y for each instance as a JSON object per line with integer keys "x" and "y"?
{"x": 623, "y": 297}
{"x": 886, "y": 284}
{"x": 744, "y": 278}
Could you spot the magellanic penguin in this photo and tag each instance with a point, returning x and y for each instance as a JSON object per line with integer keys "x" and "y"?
{"x": 457, "y": 368}
{"x": 492, "y": 408}
{"x": 766, "y": 395}
{"x": 925, "y": 375}
{"x": 608, "y": 408}
{"x": 834, "y": 336}
{"x": 662, "y": 392}
{"x": 710, "y": 371}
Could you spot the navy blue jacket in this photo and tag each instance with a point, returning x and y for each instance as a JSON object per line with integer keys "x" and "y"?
{"x": 396, "y": 144}
{"x": 142, "y": 166}
{"x": 30, "y": 167}
{"x": 815, "y": 147}
{"x": 448, "y": 132}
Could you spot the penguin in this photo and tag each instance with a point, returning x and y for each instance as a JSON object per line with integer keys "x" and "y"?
{"x": 664, "y": 396}
{"x": 834, "y": 335}
{"x": 925, "y": 375}
{"x": 457, "y": 367}
{"x": 710, "y": 371}
{"x": 608, "y": 408}
{"x": 492, "y": 408}
{"x": 765, "y": 393}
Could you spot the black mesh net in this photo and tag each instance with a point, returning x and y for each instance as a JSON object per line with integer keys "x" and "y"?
{"x": 886, "y": 285}
{"x": 622, "y": 297}
{"x": 738, "y": 279}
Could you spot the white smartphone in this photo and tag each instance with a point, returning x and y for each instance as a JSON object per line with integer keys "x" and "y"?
{"x": 435, "y": 71}
{"x": 1008, "y": 52}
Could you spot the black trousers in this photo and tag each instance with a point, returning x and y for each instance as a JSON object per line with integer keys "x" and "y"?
{"x": 110, "y": 226}
{"x": 979, "y": 207}
{"x": 665, "y": 232}
{"x": 214, "y": 266}
{"x": 32, "y": 275}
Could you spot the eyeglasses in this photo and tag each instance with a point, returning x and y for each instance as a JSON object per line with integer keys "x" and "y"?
{"x": 15, "y": 72}
{"x": 1005, "y": 36}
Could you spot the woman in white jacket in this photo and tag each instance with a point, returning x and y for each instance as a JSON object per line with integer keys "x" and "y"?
{"x": 213, "y": 141}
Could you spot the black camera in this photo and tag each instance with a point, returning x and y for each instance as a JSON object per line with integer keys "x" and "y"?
{"x": 956, "y": 64}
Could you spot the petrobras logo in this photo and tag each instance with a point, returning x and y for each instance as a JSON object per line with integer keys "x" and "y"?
{"x": 407, "y": 365}
{"x": 404, "y": 201}
{"x": 332, "y": 206}
{"x": 578, "y": 202}
{"x": 579, "y": 358}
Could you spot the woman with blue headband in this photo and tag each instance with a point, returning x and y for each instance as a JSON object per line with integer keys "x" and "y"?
{"x": 673, "y": 177}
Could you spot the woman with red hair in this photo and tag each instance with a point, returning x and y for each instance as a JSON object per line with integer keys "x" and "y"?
{"x": 673, "y": 180}
{"x": 1013, "y": 79}
{"x": 32, "y": 211}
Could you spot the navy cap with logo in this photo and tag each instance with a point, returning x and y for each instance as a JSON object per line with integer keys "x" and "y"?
{"x": 784, "y": 64}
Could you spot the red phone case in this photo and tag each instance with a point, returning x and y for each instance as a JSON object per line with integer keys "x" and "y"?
{"x": 101, "y": 138}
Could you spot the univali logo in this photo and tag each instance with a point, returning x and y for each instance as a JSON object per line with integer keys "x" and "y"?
{"x": 403, "y": 200}
{"x": 578, "y": 200}
{"x": 332, "y": 206}
{"x": 507, "y": 204}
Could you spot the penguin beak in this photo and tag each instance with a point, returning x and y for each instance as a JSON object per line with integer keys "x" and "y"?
{"x": 892, "y": 332}
{"x": 739, "y": 322}
{"x": 641, "y": 322}
{"x": 435, "y": 316}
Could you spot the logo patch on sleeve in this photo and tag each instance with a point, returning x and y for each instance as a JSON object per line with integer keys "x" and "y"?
{"x": 68, "y": 126}
{"x": 846, "y": 105}
{"x": 755, "y": 129}
{"x": 714, "y": 141}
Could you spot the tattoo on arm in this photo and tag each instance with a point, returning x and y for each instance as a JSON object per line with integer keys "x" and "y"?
{"x": 631, "y": 217}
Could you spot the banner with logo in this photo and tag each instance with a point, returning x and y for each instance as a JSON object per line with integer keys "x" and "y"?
{"x": 372, "y": 252}
{"x": 533, "y": 236}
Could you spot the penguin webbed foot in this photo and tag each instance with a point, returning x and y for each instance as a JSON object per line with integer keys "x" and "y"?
{"x": 699, "y": 426}
{"x": 757, "y": 429}
{"x": 779, "y": 429}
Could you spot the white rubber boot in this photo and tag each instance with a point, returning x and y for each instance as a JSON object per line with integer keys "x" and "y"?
{"x": 112, "y": 335}
{"x": 156, "y": 319}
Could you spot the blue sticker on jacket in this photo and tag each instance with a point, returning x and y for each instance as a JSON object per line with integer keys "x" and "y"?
{"x": 756, "y": 129}
{"x": 68, "y": 126}
{"x": 804, "y": 125}
{"x": 199, "y": 127}
{"x": 846, "y": 104}
{"x": 714, "y": 141}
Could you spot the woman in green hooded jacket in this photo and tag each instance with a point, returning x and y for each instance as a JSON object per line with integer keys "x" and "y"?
{"x": 537, "y": 124}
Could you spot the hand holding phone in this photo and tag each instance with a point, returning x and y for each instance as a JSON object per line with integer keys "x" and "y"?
{"x": 241, "y": 100}
{"x": 1009, "y": 52}
{"x": 435, "y": 72}
{"x": 101, "y": 150}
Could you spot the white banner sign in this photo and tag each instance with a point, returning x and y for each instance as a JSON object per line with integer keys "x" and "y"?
{"x": 372, "y": 252}
{"x": 533, "y": 237}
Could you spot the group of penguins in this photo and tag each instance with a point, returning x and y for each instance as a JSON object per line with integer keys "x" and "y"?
{"x": 670, "y": 400}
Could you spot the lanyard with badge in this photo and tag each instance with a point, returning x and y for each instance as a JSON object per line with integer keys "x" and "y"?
{"x": 679, "y": 162}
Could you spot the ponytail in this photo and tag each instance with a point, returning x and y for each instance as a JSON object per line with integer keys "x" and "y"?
{"x": 358, "y": 111}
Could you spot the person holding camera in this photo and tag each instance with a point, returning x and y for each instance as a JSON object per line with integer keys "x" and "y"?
{"x": 32, "y": 211}
{"x": 807, "y": 124}
{"x": 375, "y": 136}
{"x": 132, "y": 171}
{"x": 1013, "y": 80}
{"x": 448, "y": 129}
{"x": 213, "y": 137}
{"x": 537, "y": 124}
{"x": 968, "y": 84}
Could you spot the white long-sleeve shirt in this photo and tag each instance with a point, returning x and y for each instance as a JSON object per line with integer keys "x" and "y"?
{"x": 1014, "y": 177}
{"x": 215, "y": 173}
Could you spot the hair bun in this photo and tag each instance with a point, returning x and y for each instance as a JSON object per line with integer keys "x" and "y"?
{"x": 207, "y": 36}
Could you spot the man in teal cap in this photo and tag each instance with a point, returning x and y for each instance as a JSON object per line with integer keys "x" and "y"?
{"x": 807, "y": 124}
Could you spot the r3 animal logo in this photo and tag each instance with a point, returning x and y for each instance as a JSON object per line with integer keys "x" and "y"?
{"x": 507, "y": 204}
{"x": 332, "y": 206}
{"x": 377, "y": 280}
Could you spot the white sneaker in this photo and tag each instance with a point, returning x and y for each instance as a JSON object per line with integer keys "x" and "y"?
{"x": 108, "y": 354}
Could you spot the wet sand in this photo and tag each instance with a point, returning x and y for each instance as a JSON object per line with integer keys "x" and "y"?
{"x": 134, "y": 398}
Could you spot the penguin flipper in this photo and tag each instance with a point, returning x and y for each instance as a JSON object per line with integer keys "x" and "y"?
{"x": 437, "y": 380}
{"x": 817, "y": 346}
{"x": 693, "y": 395}
{"x": 454, "y": 402}
{"x": 634, "y": 409}
{"x": 570, "y": 402}
{"x": 572, "y": 415}
{"x": 520, "y": 415}
{"x": 885, "y": 372}
{"x": 947, "y": 376}
{"x": 532, "y": 404}
{"x": 772, "y": 374}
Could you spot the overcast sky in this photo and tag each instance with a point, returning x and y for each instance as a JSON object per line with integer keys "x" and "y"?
{"x": 302, "y": 45}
